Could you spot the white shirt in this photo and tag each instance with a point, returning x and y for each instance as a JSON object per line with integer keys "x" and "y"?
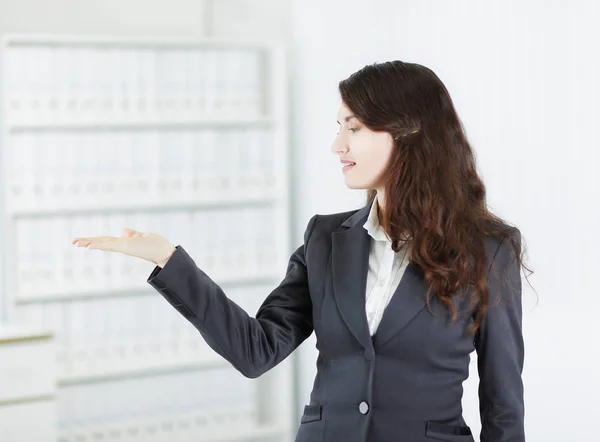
{"x": 385, "y": 270}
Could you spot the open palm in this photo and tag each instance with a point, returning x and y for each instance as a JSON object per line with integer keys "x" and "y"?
{"x": 148, "y": 246}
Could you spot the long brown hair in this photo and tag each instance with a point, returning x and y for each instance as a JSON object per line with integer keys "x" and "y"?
{"x": 433, "y": 193}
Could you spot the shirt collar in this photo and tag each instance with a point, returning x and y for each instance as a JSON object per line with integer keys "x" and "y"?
{"x": 372, "y": 224}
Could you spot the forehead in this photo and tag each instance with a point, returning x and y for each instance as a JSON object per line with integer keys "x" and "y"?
{"x": 343, "y": 112}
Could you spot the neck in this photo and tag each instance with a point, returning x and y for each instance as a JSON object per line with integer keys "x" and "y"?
{"x": 380, "y": 204}
{"x": 380, "y": 199}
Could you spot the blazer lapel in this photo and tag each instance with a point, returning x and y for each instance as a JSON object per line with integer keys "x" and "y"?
{"x": 350, "y": 261}
{"x": 408, "y": 300}
{"x": 350, "y": 264}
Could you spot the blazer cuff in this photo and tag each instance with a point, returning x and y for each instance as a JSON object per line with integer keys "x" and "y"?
{"x": 178, "y": 259}
{"x": 166, "y": 280}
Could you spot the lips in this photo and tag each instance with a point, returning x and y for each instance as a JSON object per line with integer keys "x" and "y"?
{"x": 347, "y": 166}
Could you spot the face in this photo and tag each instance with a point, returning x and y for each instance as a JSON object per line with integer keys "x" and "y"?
{"x": 364, "y": 153}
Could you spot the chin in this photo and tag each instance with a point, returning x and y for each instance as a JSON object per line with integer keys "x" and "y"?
{"x": 356, "y": 186}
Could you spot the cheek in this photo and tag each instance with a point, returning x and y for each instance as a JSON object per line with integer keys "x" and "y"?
{"x": 372, "y": 153}
{"x": 378, "y": 160}
{"x": 370, "y": 173}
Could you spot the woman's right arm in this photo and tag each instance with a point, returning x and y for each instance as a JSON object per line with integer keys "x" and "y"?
{"x": 252, "y": 345}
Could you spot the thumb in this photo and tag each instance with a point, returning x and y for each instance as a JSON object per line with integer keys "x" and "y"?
{"x": 130, "y": 233}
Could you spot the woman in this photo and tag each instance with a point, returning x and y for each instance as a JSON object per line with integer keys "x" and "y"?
{"x": 399, "y": 293}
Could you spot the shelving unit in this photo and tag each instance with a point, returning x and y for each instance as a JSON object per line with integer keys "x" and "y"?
{"x": 27, "y": 384}
{"x": 183, "y": 138}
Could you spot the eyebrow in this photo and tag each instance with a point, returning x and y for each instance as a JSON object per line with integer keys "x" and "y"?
{"x": 348, "y": 118}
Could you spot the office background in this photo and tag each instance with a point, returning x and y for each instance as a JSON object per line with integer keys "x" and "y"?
{"x": 525, "y": 79}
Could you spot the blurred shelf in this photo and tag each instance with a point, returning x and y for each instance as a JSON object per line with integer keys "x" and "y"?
{"x": 177, "y": 428}
{"x": 72, "y": 111}
{"x": 124, "y": 41}
{"x": 132, "y": 207}
{"x": 258, "y": 434}
{"x": 144, "y": 290}
{"x": 118, "y": 126}
{"x": 120, "y": 374}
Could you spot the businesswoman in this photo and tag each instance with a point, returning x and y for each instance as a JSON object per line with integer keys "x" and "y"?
{"x": 398, "y": 293}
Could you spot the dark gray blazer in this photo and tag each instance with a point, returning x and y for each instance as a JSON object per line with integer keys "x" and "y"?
{"x": 403, "y": 384}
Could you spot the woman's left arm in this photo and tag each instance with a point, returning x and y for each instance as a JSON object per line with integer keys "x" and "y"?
{"x": 500, "y": 351}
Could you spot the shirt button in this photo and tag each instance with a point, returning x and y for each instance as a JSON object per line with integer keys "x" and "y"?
{"x": 363, "y": 407}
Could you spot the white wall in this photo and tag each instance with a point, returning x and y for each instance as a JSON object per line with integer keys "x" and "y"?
{"x": 524, "y": 77}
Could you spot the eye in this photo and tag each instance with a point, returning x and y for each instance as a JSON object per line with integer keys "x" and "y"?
{"x": 353, "y": 129}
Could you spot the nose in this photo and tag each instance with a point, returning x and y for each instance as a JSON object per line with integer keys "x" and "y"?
{"x": 339, "y": 146}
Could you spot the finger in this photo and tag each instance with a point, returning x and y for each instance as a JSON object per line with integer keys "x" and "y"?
{"x": 84, "y": 242}
{"x": 108, "y": 246}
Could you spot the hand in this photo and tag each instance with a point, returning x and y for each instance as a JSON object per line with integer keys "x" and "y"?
{"x": 149, "y": 246}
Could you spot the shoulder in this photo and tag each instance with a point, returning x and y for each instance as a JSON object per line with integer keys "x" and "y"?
{"x": 503, "y": 241}
{"x": 503, "y": 250}
{"x": 332, "y": 222}
{"x": 323, "y": 225}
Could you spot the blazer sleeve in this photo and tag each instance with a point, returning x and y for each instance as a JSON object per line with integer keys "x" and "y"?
{"x": 253, "y": 345}
{"x": 500, "y": 352}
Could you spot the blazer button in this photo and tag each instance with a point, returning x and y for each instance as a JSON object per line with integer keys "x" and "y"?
{"x": 363, "y": 407}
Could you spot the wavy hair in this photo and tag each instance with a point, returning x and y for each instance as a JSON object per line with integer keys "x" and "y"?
{"x": 434, "y": 196}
